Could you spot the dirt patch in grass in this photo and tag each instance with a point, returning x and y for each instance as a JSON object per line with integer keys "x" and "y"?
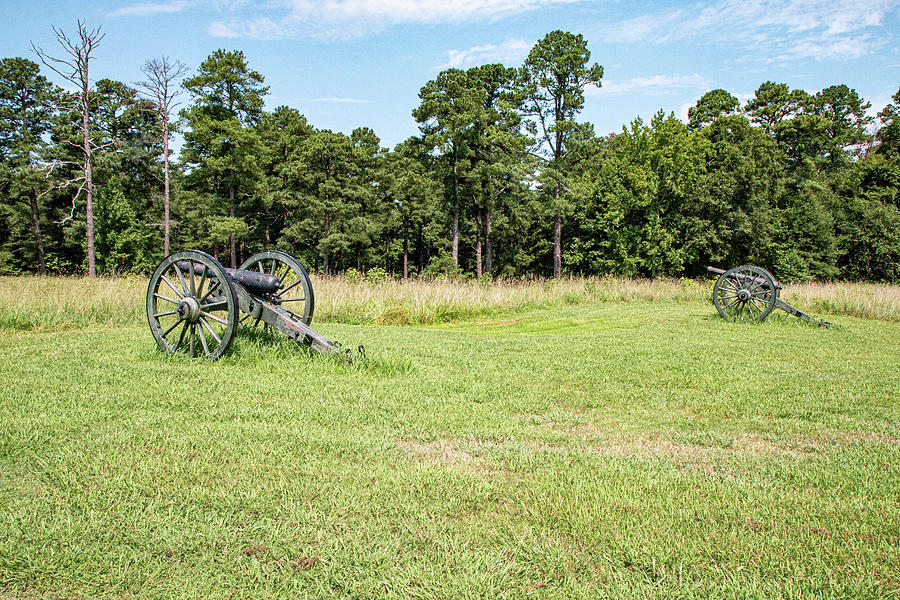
{"x": 447, "y": 453}
{"x": 455, "y": 455}
{"x": 305, "y": 562}
{"x": 251, "y": 550}
{"x": 685, "y": 445}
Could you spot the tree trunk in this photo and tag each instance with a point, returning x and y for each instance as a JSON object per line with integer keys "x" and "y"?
{"x": 420, "y": 249}
{"x": 405, "y": 246}
{"x": 166, "y": 186}
{"x": 231, "y": 214}
{"x": 454, "y": 249}
{"x": 38, "y": 241}
{"x": 88, "y": 179}
{"x": 325, "y": 251}
{"x": 489, "y": 254}
{"x": 478, "y": 271}
{"x": 557, "y": 237}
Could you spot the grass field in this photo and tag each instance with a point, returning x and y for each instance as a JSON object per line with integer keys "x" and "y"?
{"x": 585, "y": 439}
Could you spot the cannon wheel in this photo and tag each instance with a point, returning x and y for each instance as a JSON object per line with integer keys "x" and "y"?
{"x": 296, "y": 293}
{"x": 192, "y": 310}
{"x": 745, "y": 290}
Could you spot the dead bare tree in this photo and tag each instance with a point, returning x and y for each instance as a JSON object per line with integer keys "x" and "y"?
{"x": 75, "y": 69}
{"x": 162, "y": 89}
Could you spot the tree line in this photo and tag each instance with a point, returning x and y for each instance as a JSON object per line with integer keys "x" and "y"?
{"x": 503, "y": 180}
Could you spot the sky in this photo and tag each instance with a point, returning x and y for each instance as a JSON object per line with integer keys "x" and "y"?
{"x": 354, "y": 63}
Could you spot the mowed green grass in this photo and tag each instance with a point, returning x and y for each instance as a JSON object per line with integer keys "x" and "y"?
{"x": 612, "y": 449}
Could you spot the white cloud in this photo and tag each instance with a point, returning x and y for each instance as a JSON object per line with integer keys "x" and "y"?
{"x": 793, "y": 28}
{"x": 333, "y": 19}
{"x": 413, "y": 11}
{"x": 221, "y": 29}
{"x": 654, "y": 85}
{"x": 510, "y": 51}
{"x": 149, "y": 8}
{"x": 646, "y": 28}
{"x": 850, "y": 47}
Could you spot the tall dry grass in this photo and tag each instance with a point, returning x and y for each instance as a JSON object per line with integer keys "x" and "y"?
{"x": 416, "y": 302}
{"x": 51, "y": 303}
{"x": 29, "y": 302}
{"x": 867, "y": 300}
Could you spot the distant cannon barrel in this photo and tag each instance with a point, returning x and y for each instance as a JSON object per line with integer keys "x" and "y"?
{"x": 258, "y": 282}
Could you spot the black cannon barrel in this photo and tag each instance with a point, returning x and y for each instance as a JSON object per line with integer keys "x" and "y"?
{"x": 740, "y": 276}
{"x": 252, "y": 280}
{"x": 261, "y": 282}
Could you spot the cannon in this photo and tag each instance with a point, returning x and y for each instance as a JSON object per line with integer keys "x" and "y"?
{"x": 194, "y": 304}
{"x": 752, "y": 291}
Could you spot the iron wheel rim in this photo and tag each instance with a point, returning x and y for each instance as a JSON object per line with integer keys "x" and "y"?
{"x": 193, "y": 311}
{"x": 746, "y": 290}
{"x": 296, "y": 294}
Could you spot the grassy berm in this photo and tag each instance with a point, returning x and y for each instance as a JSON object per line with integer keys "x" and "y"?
{"x": 585, "y": 439}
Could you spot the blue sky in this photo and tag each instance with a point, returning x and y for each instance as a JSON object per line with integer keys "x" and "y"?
{"x": 351, "y": 63}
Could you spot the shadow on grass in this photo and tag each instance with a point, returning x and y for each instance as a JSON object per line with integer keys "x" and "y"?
{"x": 776, "y": 318}
{"x": 259, "y": 345}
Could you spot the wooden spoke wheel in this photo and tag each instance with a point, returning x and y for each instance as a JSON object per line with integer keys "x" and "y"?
{"x": 296, "y": 293}
{"x": 745, "y": 291}
{"x": 192, "y": 307}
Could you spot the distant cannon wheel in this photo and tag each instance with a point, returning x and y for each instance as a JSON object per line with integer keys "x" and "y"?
{"x": 192, "y": 307}
{"x": 296, "y": 292}
{"x": 745, "y": 290}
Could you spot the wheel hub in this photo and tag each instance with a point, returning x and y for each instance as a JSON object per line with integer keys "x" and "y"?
{"x": 189, "y": 309}
{"x": 743, "y": 295}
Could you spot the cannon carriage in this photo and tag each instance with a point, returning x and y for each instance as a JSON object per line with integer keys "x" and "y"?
{"x": 194, "y": 304}
{"x": 752, "y": 291}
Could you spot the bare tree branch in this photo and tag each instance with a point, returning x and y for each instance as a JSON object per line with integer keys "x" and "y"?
{"x": 75, "y": 68}
{"x": 161, "y": 88}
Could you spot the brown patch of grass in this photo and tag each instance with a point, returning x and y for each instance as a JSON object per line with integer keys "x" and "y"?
{"x": 251, "y": 550}
{"x": 659, "y": 442}
{"x": 305, "y": 562}
{"x": 447, "y": 453}
{"x": 452, "y": 454}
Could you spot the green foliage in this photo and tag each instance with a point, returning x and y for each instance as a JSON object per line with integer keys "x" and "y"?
{"x": 377, "y": 275}
{"x": 711, "y": 106}
{"x": 889, "y": 134}
{"x": 503, "y": 179}
{"x": 353, "y": 276}
{"x": 123, "y": 243}
{"x": 441, "y": 266}
{"x": 222, "y": 142}
{"x": 221, "y": 229}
